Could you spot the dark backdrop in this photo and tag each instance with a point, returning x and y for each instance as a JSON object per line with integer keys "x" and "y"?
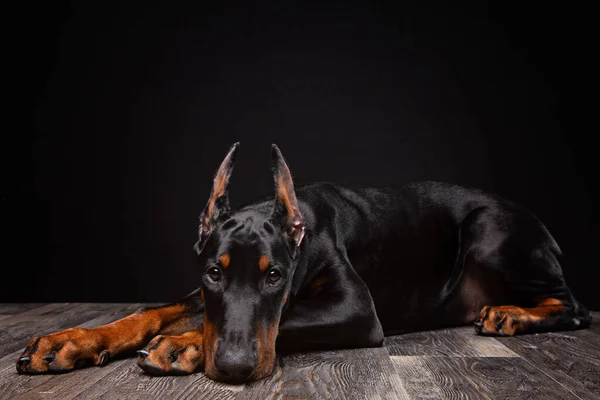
{"x": 129, "y": 110}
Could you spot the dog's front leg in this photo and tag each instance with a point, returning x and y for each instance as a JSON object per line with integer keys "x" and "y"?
{"x": 337, "y": 312}
{"x": 78, "y": 347}
{"x": 173, "y": 355}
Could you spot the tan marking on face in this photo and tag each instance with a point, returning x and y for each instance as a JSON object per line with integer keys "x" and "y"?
{"x": 265, "y": 337}
{"x": 224, "y": 259}
{"x": 209, "y": 344}
{"x": 263, "y": 263}
{"x": 285, "y": 297}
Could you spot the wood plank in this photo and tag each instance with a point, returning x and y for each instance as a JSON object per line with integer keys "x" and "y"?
{"x": 13, "y": 385}
{"x": 572, "y": 358}
{"x": 128, "y": 381}
{"x": 18, "y": 329}
{"x": 16, "y": 308}
{"x": 344, "y": 374}
{"x": 454, "y": 342}
{"x": 435, "y": 377}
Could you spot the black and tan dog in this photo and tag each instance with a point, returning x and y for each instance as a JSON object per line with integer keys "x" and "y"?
{"x": 328, "y": 267}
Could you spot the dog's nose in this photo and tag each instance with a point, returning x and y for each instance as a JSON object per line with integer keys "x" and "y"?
{"x": 235, "y": 363}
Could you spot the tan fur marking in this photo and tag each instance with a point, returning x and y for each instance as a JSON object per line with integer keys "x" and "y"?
{"x": 283, "y": 196}
{"x": 127, "y": 334}
{"x": 218, "y": 189}
{"x": 263, "y": 263}
{"x": 513, "y": 319}
{"x": 209, "y": 343}
{"x": 224, "y": 259}
{"x": 265, "y": 350}
{"x": 550, "y": 302}
{"x": 189, "y": 349}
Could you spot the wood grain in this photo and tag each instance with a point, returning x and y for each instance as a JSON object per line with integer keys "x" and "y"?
{"x": 345, "y": 374}
{"x": 17, "y": 308}
{"x": 431, "y": 377}
{"x": 571, "y": 358}
{"x": 17, "y": 330}
{"x": 455, "y": 342}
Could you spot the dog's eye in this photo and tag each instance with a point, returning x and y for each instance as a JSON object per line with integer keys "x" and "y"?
{"x": 215, "y": 274}
{"x": 273, "y": 276}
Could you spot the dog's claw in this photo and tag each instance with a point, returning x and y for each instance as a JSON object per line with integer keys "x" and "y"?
{"x": 50, "y": 357}
{"x": 478, "y": 326}
{"x": 104, "y": 358}
{"x": 143, "y": 353}
{"x": 25, "y": 359}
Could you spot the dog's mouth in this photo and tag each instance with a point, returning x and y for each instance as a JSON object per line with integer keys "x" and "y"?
{"x": 238, "y": 369}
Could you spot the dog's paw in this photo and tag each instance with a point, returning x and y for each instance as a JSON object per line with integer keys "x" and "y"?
{"x": 502, "y": 320}
{"x": 62, "y": 352}
{"x": 172, "y": 355}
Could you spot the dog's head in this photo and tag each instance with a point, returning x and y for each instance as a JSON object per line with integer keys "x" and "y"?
{"x": 248, "y": 259}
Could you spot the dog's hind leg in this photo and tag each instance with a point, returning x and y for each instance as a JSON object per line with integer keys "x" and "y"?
{"x": 516, "y": 253}
{"x": 549, "y": 315}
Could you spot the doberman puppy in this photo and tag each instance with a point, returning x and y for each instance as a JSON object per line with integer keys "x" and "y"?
{"x": 329, "y": 267}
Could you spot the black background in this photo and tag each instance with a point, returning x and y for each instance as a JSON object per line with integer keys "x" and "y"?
{"x": 129, "y": 110}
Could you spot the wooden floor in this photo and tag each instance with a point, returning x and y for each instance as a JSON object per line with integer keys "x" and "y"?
{"x": 452, "y": 363}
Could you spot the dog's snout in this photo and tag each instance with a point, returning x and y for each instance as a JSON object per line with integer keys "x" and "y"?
{"x": 235, "y": 362}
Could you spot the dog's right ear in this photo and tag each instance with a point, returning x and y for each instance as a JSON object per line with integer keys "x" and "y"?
{"x": 217, "y": 206}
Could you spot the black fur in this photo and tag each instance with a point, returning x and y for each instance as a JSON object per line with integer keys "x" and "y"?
{"x": 377, "y": 262}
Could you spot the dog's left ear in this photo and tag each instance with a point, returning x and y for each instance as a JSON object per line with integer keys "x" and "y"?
{"x": 286, "y": 211}
{"x": 217, "y": 207}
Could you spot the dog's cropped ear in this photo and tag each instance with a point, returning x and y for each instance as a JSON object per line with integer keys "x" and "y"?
{"x": 286, "y": 211}
{"x": 217, "y": 206}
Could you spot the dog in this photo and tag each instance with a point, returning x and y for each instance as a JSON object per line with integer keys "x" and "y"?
{"x": 328, "y": 267}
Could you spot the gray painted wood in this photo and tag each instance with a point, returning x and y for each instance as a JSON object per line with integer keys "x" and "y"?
{"x": 344, "y": 374}
{"x": 448, "y": 363}
{"x": 434, "y": 377}
{"x": 455, "y": 342}
{"x": 16, "y": 308}
{"x": 571, "y": 358}
{"x": 17, "y": 330}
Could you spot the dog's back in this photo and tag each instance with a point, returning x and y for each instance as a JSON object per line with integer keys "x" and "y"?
{"x": 432, "y": 254}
